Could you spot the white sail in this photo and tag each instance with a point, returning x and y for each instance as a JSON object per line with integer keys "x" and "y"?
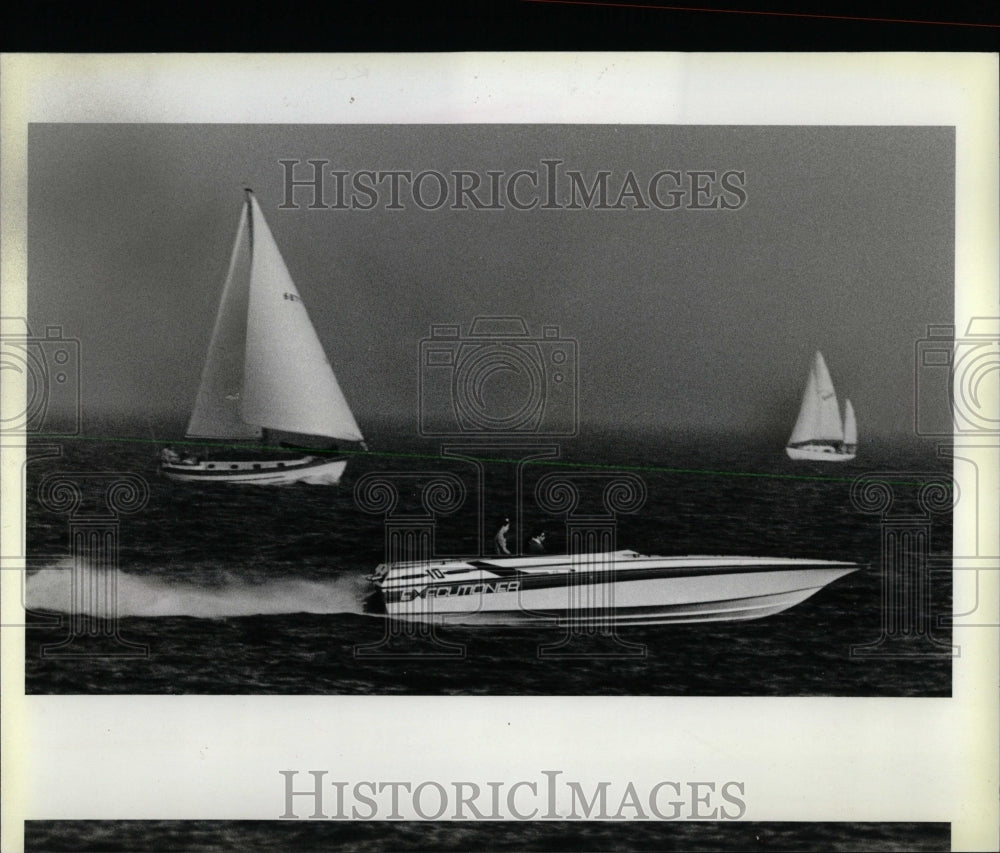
{"x": 288, "y": 383}
{"x": 217, "y": 408}
{"x": 819, "y": 414}
{"x": 850, "y": 425}
{"x": 829, "y": 427}
{"x": 805, "y": 424}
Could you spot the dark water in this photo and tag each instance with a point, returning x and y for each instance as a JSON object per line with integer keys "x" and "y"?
{"x": 153, "y": 836}
{"x": 237, "y": 589}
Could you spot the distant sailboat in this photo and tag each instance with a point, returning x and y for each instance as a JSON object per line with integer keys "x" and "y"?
{"x": 819, "y": 432}
{"x": 265, "y": 369}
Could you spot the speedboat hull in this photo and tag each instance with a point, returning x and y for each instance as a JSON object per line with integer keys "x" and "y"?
{"x": 615, "y": 588}
{"x": 313, "y": 470}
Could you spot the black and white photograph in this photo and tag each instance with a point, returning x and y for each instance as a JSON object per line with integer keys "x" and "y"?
{"x": 601, "y": 394}
{"x": 540, "y": 416}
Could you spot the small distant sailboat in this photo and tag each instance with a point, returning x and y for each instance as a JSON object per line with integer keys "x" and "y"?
{"x": 819, "y": 432}
{"x": 265, "y": 370}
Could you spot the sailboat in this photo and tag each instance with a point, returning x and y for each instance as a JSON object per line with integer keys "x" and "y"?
{"x": 819, "y": 433}
{"x": 265, "y": 371}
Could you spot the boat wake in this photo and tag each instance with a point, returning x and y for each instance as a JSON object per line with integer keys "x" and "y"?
{"x": 137, "y": 595}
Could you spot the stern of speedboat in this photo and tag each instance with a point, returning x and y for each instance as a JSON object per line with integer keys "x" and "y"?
{"x": 379, "y": 575}
{"x": 375, "y": 597}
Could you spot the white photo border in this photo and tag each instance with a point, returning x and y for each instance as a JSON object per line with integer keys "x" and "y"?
{"x": 802, "y": 759}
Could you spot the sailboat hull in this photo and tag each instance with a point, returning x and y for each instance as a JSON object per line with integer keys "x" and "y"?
{"x": 818, "y": 454}
{"x": 312, "y": 470}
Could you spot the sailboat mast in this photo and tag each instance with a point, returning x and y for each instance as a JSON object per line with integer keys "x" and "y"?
{"x": 248, "y": 200}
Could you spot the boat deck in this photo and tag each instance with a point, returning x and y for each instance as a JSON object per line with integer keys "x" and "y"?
{"x": 584, "y": 565}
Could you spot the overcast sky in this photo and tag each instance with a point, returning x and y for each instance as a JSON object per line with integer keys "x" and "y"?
{"x": 683, "y": 318}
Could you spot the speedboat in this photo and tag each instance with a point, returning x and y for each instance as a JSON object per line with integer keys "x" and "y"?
{"x": 615, "y": 587}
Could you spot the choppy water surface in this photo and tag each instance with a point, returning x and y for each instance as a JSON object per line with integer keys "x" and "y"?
{"x": 237, "y": 589}
{"x": 154, "y": 836}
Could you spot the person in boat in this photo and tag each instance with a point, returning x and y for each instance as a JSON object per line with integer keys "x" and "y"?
{"x": 500, "y": 540}
{"x": 536, "y": 544}
{"x": 168, "y": 454}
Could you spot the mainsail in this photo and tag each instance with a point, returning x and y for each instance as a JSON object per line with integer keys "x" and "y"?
{"x": 819, "y": 415}
{"x": 266, "y": 367}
